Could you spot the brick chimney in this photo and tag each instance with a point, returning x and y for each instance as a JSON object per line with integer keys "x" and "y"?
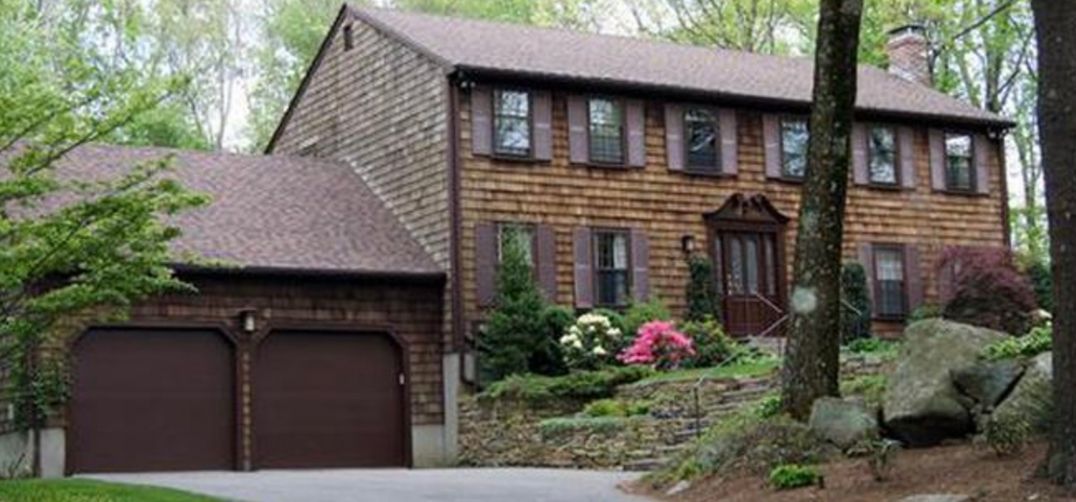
{"x": 909, "y": 54}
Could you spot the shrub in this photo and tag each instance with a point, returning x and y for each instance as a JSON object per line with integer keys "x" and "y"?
{"x": 768, "y": 407}
{"x": 856, "y": 304}
{"x": 1037, "y": 341}
{"x": 660, "y": 345}
{"x": 556, "y": 320}
{"x": 870, "y": 387}
{"x": 871, "y": 346}
{"x": 1007, "y": 437}
{"x": 640, "y": 313}
{"x": 1042, "y": 283}
{"x": 590, "y": 343}
{"x": 515, "y": 339}
{"x": 579, "y": 386}
{"x": 712, "y": 345}
{"x": 616, "y": 408}
{"x": 987, "y": 289}
{"x": 788, "y": 476}
{"x": 702, "y": 300}
{"x": 557, "y": 426}
{"x": 925, "y": 311}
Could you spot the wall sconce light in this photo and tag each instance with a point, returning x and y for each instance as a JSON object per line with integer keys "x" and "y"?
{"x": 248, "y": 320}
{"x": 687, "y": 244}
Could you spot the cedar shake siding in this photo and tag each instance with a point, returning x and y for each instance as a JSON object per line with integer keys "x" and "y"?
{"x": 566, "y": 197}
{"x": 381, "y": 108}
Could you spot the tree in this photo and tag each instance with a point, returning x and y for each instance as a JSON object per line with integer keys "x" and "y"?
{"x": 577, "y": 14}
{"x": 811, "y": 367}
{"x": 763, "y": 26}
{"x": 1055, "y": 23}
{"x": 71, "y": 248}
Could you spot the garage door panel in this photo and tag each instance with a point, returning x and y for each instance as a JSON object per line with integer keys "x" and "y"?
{"x": 146, "y": 400}
{"x": 328, "y": 399}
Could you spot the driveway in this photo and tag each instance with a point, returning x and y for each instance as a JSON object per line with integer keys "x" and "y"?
{"x": 350, "y": 485}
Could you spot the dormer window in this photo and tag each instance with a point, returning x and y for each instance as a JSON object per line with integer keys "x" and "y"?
{"x": 512, "y": 123}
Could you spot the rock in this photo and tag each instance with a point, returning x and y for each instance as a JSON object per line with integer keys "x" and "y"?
{"x": 842, "y": 422}
{"x": 921, "y": 405}
{"x": 678, "y": 488}
{"x": 988, "y": 381}
{"x": 937, "y": 497}
{"x": 1031, "y": 400}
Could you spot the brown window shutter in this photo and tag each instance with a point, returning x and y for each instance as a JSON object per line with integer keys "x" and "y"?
{"x": 579, "y": 150}
{"x": 640, "y": 265}
{"x": 485, "y": 262}
{"x": 771, "y": 139}
{"x": 726, "y": 118}
{"x": 546, "y": 260}
{"x": 866, "y": 258}
{"x": 584, "y": 277}
{"x": 982, "y": 163}
{"x": 913, "y": 277}
{"x": 674, "y": 136}
{"x": 481, "y": 120}
{"x": 635, "y": 119}
{"x": 860, "y": 174}
{"x": 543, "y": 125}
{"x": 937, "y": 159}
{"x": 906, "y": 151}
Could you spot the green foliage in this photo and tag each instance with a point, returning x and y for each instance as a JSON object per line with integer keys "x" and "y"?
{"x": 88, "y": 490}
{"x": 747, "y": 366}
{"x": 1007, "y": 437}
{"x": 1042, "y": 282}
{"x": 1037, "y": 341}
{"x": 515, "y": 339}
{"x": 579, "y": 386}
{"x": 702, "y": 300}
{"x": 556, "y": 320}
{"x": 768, "y": 407}
{"x": 924, "y": 312}
{"x": 870, "y": 387}
{"x": 872, "y": 346}
{"x": 856, "y": 304}
{"x": 879, "y": 453}
{"x": 640, "y": 313}
{"x": 558, "y": 426}
{"x": 712, "y": 345}
{"x": 788, "y": 476}
{"x": 590, "y": 343}
{"x": 579, "y": 14}
{"x": 616, "y": 408}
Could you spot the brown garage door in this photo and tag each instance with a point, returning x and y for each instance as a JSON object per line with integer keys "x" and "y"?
{"x": 328, "y": 399}
{"x": 152, "y": 400}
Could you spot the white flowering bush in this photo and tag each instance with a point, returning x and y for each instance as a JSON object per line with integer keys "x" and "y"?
{"x": 590, "y": 343}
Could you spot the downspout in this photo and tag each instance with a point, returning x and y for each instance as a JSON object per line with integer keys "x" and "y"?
{"x": 454, "y": 212}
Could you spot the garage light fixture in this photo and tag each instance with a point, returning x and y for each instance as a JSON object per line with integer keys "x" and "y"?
{"x": 247, "y": 319}
{"x": 687, "y": 244}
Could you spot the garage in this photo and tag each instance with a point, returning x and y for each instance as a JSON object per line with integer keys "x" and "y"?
{"x": 152, "y": 400}
{"x": 329, "y": 399}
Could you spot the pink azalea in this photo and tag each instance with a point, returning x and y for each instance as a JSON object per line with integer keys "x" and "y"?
{"x": 658, "y": 343}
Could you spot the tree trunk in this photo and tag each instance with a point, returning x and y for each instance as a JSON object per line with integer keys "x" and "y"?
{"x": 812, "y": 361}
{"x": 1055, "y": 22}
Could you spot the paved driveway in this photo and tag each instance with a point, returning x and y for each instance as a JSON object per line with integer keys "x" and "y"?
{"x": 391, "y": 485}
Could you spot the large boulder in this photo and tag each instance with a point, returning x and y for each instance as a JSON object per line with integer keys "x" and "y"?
{"x": 1031, "y": 400}
{"x": 988, "y": 381}
{"x": 922, "y": 406}
{"x": 842, "y": 422}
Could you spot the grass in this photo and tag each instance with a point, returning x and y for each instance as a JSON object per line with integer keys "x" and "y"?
{"x": 86, "y": 490}
{"x": 747, "y": 369}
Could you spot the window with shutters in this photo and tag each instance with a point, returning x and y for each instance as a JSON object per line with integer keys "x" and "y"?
{"x": 612, "y": 267}
{"x": 606, "y": 130}
{"x": 794, "y": 139}
{"x": 512, "y": 123}
{"x": 701, "y": 134}
{"x": 959, "y": 162}
{"x": 882, "y": 155}
{"x": 889, "y": 281}
{"x": 522, "y": 235}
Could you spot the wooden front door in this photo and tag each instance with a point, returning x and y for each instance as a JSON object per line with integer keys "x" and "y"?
{"x": 747, "y": 270}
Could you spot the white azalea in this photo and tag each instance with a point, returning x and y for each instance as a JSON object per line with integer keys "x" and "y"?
{"x": 599, "y": 351}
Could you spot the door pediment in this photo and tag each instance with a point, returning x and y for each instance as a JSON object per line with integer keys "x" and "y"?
{"x": 742, "y": 208}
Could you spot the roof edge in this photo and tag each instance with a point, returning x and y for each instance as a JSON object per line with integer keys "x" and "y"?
{"x": 397, "y": 275}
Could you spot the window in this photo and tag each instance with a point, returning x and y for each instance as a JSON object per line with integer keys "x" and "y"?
{"x": 606, "y": 131}
{"x": 512, "y": 123}
{"x": 700, "y": 127}
{"x": 611, "y": 267}
{"x": 882, "y": 155}
{"x": 794, "y": 138}
{"x": 889, "y": 281}
{"x": 958, "y": 162}
{"x": 519, "y": 234}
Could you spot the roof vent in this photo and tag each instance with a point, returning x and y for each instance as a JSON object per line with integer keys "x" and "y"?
{"x": 909, "y": 54}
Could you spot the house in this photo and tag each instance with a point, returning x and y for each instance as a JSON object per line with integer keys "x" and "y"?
{"x": 367, "y": 238}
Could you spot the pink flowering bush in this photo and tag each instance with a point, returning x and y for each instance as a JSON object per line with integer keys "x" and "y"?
{"x": 658, "y": 344}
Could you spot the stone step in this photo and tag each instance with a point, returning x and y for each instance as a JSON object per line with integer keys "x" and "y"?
{"x": 649, "y": 464}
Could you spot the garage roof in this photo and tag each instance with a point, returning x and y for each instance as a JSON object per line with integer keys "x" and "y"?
{"x": 271, "y": 212}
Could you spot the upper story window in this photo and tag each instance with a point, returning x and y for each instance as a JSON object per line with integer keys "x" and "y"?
{"x": 611, "y": 267}
{"x": 701, "y": 131}
{"x": 512, "y": 123}
{"x": 889, "y": 281}
{"x": 606, "y": 118}
{"x": 794, "y": 139}
{"x": 882, "y": 152}
{"x": 521, "y": 235}
{"x": 959, "y": 175}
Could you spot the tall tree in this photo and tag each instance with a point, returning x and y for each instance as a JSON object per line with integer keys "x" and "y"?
{"x": 577, "y": 14}
{"x": 811, "y": 367}
{"x": 763, "y": 26}
{"x": 1055, "y": 23}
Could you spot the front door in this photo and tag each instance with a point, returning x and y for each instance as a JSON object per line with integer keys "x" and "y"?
{"x": 747, "y": 270}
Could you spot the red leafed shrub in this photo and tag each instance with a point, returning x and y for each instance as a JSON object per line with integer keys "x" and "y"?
{"x": 982, "y": 286}
{"x": 658, "y": 344}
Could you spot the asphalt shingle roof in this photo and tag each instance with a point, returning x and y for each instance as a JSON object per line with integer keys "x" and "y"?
{"x": 272, "y": 212}
{"x": 564, "y": 54}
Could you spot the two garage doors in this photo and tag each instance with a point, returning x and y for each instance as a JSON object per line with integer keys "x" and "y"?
{"x": 168, "y": 399}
